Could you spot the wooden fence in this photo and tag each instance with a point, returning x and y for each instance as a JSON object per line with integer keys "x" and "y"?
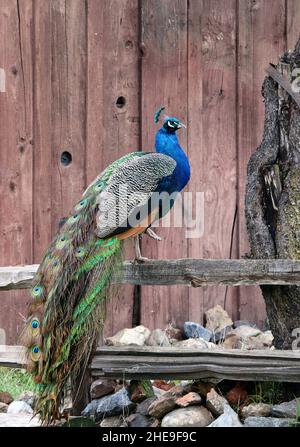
{"x": 84, "y": 77}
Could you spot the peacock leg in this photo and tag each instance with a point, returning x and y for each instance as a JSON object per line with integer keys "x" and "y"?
{"x": 153, "y": 235}
{"x": 138, "y": 254}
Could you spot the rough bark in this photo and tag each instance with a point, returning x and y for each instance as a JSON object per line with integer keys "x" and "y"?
{"x": 273, "y": 198}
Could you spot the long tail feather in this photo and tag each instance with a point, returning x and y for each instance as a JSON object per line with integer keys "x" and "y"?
{"x": 65, "y": 312}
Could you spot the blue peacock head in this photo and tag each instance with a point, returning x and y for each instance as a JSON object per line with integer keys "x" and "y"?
{"x": 171, "y": 124}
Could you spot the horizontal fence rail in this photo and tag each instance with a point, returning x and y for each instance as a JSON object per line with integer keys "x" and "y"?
{"x": 138, "y": 363}
{"x": 191, "y": 272}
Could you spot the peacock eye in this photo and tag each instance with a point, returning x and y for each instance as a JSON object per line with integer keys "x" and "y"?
{"x": 35, "y": 349}
{"x": 35, "y": 324}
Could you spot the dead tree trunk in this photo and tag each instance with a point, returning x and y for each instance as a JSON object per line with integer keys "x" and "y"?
{"x": 273, "y": 194}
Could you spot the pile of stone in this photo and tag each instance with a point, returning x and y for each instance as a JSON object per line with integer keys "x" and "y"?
{"x": 18, "y": 412}
{"x": 219, "y": 332}
{"x": 195, "y": 404}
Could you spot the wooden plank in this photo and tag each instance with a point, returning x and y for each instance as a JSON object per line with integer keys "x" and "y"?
{"x": 261, "y": 37}
{"x": 212, "y": 139}
{"x": 293, "y": 23}
{"x": 174, "y": 363}
{"x": 112, "y": 131}
{"x": 163, "y": 82}
{"x": 68, "y": 111}
{"x": 16, "y": 151}
{"x": 42, "y": 179}
{"x": 190, "y": 272}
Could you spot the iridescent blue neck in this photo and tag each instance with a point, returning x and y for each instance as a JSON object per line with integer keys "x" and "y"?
{"x": 167, "y": 143}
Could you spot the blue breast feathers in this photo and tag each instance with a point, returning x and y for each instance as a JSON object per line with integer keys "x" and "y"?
{"x": 167, "y": 143}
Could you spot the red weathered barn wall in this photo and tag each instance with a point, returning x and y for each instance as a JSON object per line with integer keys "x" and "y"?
{"x": 66, "y": 63}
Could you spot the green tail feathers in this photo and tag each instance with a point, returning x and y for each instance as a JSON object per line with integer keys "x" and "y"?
{"x": 66, "y": 311}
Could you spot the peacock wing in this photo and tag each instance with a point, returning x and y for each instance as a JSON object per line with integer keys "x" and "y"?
{"x": 129, "y": 192}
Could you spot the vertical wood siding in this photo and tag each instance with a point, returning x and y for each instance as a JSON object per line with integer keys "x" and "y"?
{"x": 67, "y": 62}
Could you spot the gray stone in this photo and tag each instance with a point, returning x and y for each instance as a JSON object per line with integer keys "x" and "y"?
{"x": 18, "y": 420}
{"x": 228, "y": 419}
{"x": 217, "y": 319}
{"x": 158, "y": 338}
{"x": 130, "y": 337}
{"x": 138, "y": 420}
{"x": 267, "y": 422}
{"x": 3, "y": 407}
{"x": 113, "y": 421}
{"x": 6, "y": 397}
{"x": 158, "y": 392}
{"x": 143, "y": 407}
{"x": 238, "y": 323}
{"x": 195, "y": 330}
{"x": 194, "y": 416}
{"x": 102, "y": 387}
{"x": 215, "y": 403}
{"x": 256, "y": 410}
{"x": 18, "y": 406}
{"x": 195, "y": 343}
{"x": 286, "y": 409}
{"x": 29, "y": 397}
{"x": 246, "y": 331}
{"x": 111, "y": 405}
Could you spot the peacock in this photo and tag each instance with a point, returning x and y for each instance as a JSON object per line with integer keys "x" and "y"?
{"x": 73, "y": 281}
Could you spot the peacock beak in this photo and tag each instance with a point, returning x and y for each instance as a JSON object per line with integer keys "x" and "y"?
{"x": 181, "y": 125}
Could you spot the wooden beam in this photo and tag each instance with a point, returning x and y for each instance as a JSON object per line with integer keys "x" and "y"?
{"x": 191, "y": 272}
{"x": 172, "y": 363}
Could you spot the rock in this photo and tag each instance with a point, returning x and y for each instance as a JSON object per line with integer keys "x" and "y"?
{"x": 18, "y": 406}
{"x": 126, "y": 337}
{"x": 158, "y": 392}
{"x": 113, "y": 421}
{"x": 195, "y": 330}
{"x": 163, "y": 385}
{"x": 238, "y": 323}
{"x": 137, "y": 392}
{"x": 102, "y": 387}
{"x": 191, "y": 398}
{"x": 220, "y": 336}
{"x": 143, "y": 407}
{"x": 217, "y": 319}
{"x": 158, "y": 338}
{"x": 228, "y": 419}
{"x": 215, "y": 403}
{"x": 3, "y": 407}
{"x": 18, "y": 420}
{"x": 29, "y": 397}
{"x": 237, "y": 395}
{"x": 195, "y": 343}
{"x": 256, "y": 410}
{"x": 286, "y": 409}
{"x": 232, "y": 341}
{"x": 202, "y": 387}
{"x": 167, "y": 402}
{"x": 235, "y": 341}
{"x": 194, "y": 416}
{"x": 173, "y": 333}
{"x": 267, "y": 422}
{"x": 5, "y": 397}
{"x": 266, "y": 338}
{"x": 111, "y": 405}
{"x": 138, "y": 420}
{"x": 246, "y": 331}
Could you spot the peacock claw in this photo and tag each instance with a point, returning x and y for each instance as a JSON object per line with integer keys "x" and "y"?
{"x": 138, "y": 254}
{"x": 141, "y": 259}
{"x": 153, "y": 235}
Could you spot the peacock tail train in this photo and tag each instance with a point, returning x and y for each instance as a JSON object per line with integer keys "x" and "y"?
{"x": 65, "y": 311}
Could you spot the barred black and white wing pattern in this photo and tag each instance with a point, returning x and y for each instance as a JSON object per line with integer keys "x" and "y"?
{"x": 127, "y": 195}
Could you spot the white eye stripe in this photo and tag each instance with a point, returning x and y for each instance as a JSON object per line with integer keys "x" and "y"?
{"x": 171, "y": 125}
